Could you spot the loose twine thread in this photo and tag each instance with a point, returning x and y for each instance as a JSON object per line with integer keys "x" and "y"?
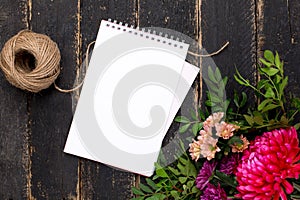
{"x": 31, "y": 61}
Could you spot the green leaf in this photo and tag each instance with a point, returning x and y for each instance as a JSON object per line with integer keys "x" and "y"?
{"x": 137, "y": 198}
{"x": 182, "y": 169}
{"x": 269, "y": 56}
{"x": 190, "y": 184}
{"x": 145, "y": 188}
{"x": 266, "y": 63}
{"x": 296, "y": 186}
{"x": 174, "y": 171}
{"x": 226, "y": 104}
{"x": 263, "y": 104}
{"x": 182, "y": 160}
{"x": 244, "y": 99}
{"x": 241, "y": 82}
{"x": 218, "y": 74}
{"x": 226, "y": 179}
{"x": 196, "y": 128}
{"x": 157, "y": 197}
{"x": 269, "y": 107}
{"x": 270, "y": 71}
{"x": 160, "y": 171}
{"x": 175, "y": 194}
{"x": 225, "y": 80}
{"x": 191, "y": 170}
{"x": 283, "y": 85}
{"x": 249, "y": 119}
{"x": 151, "y": 184}
{"x": 297, "y": 126}
{"x": 209, "y": 103}
{"x": 277, "y": 61}
{"x": 261, "y": 84}
{"x": 184, "y": 128}
{"x": 195, "y": 189}
{"x": 215, "y": 98}
{"x": 182, "y": 119}
{"x": 202, "y": 115}
{"x": 258, "y": 120}
{"x": 182, "y": 180}
{"x": 269, "y": 93}
{"x": 277, "y": 78}
{"x": 295, "y": 197}
{"x": 236, "y": 99}
{"x": 182, "y": 145}
{"x": 211, "y": 75}
{"x": 211, "y": 86}
{"x": 137, "y": 191}
{"x": 296, "y": 103}
{"x": 284, "y": 120}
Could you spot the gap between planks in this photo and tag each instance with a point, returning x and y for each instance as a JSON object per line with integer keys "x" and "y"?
{"x": 28, "y": 147}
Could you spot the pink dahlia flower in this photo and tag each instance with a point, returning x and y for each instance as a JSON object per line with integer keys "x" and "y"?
{"x": 267, "y": 164}
{"x": 195, "y": 148}
{"x": 212, "y": 120}
{"x": 209, "y": 147}
{"x": 225, "y": 130}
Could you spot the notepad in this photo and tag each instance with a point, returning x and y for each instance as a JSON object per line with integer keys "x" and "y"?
{"x": 133, "y": 88}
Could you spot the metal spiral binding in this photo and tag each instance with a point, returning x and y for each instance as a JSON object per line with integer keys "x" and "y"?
{"x": 147, "y": 33}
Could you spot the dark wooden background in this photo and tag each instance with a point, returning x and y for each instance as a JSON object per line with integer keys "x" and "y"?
{"x": 34, "y": 127}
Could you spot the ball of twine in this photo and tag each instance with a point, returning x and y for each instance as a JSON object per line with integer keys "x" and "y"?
{"x": 30, "y": 61}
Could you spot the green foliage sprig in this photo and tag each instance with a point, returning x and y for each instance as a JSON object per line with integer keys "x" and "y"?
{"x": 271, "y": 112}
{"x": 170, "y": 182}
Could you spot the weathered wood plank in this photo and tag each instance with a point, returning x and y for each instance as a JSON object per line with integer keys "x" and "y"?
{"x": 232, "y": 21}
{"x": 98, "y": 180}
{"x": 54, "y": 173}
{"x": 281, "y": 33}
{"x": 293, "y": 61}
{"x": 13, "y": 113}
{"x": 179, "y": 16}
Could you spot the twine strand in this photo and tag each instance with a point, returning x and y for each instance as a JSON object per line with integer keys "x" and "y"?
{"x": 81, "y": 83}
{"x": 210, "y": 54}
{"x": 87, "y": 64}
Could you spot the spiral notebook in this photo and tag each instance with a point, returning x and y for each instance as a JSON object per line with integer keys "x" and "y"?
{"x": 134, "y": 86}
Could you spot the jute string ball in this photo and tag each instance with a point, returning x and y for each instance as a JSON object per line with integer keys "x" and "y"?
{"x": 30, "y": 61}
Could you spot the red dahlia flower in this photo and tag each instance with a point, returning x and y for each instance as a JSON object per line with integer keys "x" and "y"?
{"x": 265, "y": 167}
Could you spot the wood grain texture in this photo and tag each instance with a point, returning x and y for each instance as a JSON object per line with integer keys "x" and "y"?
{"x": 232, "y": 21}
{"x": 34, "y": 127}
{"x": 54, "y": 173}
{"x": 292, "y": 60}
{"x": 281, "y": 33}
{"x": 99, "y": 181}
{"x": 13, "y": 113}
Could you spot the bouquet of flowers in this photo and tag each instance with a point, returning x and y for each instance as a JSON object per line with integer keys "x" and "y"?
{"x": 240, "y": 149}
